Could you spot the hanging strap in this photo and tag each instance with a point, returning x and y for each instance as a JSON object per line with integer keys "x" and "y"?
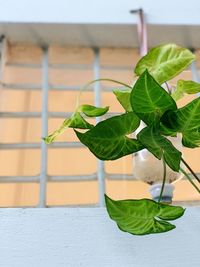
{"x": 142, "y": 31}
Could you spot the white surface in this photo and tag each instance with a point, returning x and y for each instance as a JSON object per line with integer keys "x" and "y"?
{"x": 99, "y": 23}
{"x": 170, "y": 12}
{"x": 87, "y": 237}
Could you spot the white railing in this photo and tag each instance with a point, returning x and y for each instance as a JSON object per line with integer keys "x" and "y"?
{"x": 100, "y": 175}
{"x": 43, "y": 177}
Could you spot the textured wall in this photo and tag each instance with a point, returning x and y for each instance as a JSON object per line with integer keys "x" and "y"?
{"x": 88, "y": 238}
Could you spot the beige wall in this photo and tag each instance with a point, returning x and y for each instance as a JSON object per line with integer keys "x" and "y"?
{"x": 65, "y": 161}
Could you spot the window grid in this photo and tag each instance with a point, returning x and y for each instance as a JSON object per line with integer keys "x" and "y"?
{"x": 43, "y": 177}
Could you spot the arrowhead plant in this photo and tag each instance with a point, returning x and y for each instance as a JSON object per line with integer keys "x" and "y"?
{"x": 148, "y": 102}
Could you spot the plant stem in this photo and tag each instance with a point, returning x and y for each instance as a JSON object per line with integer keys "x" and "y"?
{"x": 109, "y": 80}
{"x": 190, "y": 180}
{"x": 189, "y": 168}
{"x": 164, "y": 179}
{"x": 99, "y": 80}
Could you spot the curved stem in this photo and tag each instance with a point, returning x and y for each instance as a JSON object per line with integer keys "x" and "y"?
{"x": 189, "y": 168}
{"x": 99, "y": 80}
{"x": 164, "y": 179}
{"x": 190, "y": 180}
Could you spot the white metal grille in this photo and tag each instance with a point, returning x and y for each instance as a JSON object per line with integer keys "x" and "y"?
{"x": 44, "y": 177}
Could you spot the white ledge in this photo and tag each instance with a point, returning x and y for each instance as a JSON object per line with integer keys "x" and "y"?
{"x": 75, "y": 237}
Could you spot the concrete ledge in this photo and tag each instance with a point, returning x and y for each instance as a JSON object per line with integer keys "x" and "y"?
{"x": 73, "y": 237}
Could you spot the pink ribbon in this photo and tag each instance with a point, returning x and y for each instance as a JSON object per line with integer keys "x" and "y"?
{"x": 142, "y": 31}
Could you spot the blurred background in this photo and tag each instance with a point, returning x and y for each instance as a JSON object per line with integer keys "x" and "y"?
{"x": 49, "y": 49}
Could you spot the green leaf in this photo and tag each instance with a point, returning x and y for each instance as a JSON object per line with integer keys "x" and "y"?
{"x": 149, "y": 100}
{"x": 191, "y": 139}
{"x": 142, "y": 217}
{"x": 108, "y": 140}
{"x": 160, "y": 146}
{"x": 185, "y": 120}
{"x": 166, "y": 131}
{"x": 188, "y": 87}
{"x": 164, "y": 62}
{"x": 123, "y": 96}
{"x": 76, "y": 121}
{"x": 169, "y": 212}
{"x": 92, "y": 111}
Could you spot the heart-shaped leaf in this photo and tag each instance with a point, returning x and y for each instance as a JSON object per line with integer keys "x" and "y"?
{"x": 92, "y": 111}
{"x": 185, "y": 120}
{"x": 123, "y": 96}
{"x": 142, "y": 217}
{"x": 76, "y": 121}
{"x": 149, "y": 100}
{"x": 188, "y": 87}
{"x": 160, "y": 147}
{"x": 108, "y": 140}
{"x": 164, "y": 62}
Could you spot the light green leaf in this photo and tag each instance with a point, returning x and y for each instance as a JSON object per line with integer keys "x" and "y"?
{"x": 169, "y": 212}
{"x": 160, "y": 146}
{"x": 149, "y": 100}
{"x": 142, "y": 217}
{"x": 108, "y": 140}
{"x": 185, "y": 120}
{"x": 76, "y": 121}
{"x": 123, "y": 96}
{"x": 92, "y": 111}
{"x": 52, "y": 137}
{"x": 188, "y": 87}
{"x": 164, "y": 62}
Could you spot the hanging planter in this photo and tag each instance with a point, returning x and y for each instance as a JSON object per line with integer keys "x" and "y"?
{"x": 145, "y": 102}
{"x": 152, "y": 173}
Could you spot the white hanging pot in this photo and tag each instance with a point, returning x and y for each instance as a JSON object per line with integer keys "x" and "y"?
{"x": 149, "y": 169}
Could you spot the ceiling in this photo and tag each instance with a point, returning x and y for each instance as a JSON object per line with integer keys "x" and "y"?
{"x": 99, "y": 35}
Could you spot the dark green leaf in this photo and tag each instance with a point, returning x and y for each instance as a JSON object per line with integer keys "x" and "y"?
{"x": 142, "y": 217}
{"x": 188, "y": 87}
{"x": 123, "y": 96}
{"x": 149, "y": 100}
{"x": 185, "y": 120}
{"x": 160, "y": 147}
{"x": 76, "y": 121}
{"x": 108, "y": 140}
{"x": 92, "y": 111}
{"x": 164, "y": 62}
{"x": 166, "y": 131}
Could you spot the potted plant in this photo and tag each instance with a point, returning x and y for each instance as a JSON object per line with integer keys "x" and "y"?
{"x": 149, "y": 103}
